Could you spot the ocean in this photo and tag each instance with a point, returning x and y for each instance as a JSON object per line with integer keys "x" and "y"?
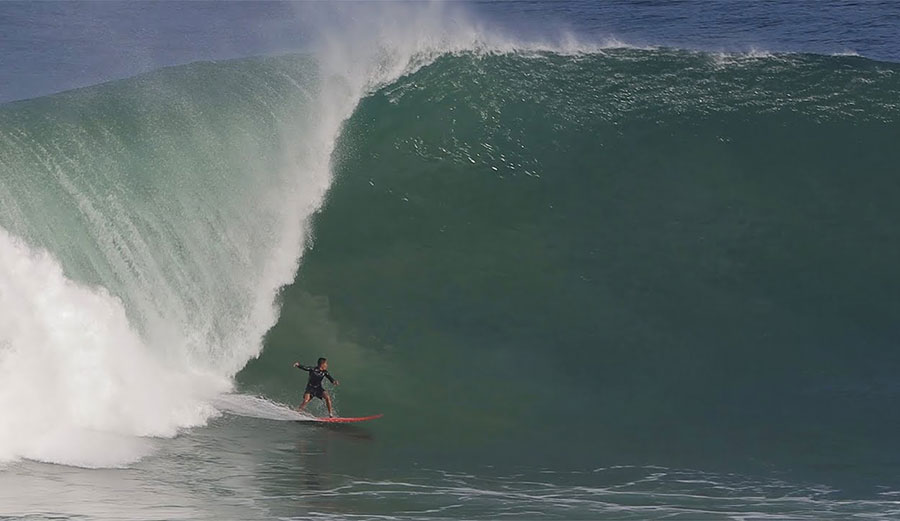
{"x": 591, "y": 260}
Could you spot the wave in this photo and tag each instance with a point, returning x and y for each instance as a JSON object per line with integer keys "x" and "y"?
{"x": 149, "y": 224}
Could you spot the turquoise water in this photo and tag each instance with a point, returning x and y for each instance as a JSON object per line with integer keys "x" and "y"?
{"x": 580, "y": 281}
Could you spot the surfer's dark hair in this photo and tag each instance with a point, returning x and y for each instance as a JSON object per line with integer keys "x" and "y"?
{"x": 321, "y": 360}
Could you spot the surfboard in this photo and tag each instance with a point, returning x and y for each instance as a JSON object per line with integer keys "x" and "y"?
{"x": 349, "y": 420}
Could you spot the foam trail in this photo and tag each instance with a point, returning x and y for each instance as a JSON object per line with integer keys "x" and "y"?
{"x": 258, "y": 407}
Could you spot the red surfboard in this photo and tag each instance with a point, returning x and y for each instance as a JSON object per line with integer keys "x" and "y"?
{"x": 349, "y": 420}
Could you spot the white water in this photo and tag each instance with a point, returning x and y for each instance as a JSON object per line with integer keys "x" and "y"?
{"x": 78, "y": 384}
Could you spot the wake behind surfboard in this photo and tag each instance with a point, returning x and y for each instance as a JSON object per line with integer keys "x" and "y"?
{"x": 257, "y": 407}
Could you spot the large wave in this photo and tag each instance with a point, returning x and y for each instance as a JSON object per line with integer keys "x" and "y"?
{"x": 148, "y": 224}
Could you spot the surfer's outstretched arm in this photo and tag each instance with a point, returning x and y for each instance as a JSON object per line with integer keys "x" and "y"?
{"x": 330, "y": 379}
{"x": 300, "y": 366}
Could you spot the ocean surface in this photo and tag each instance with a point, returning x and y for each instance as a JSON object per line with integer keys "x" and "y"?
{"x": 592, "y": 260}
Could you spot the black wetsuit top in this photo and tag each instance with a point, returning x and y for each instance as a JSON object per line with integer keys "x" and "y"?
{"x": 315, "y": 377}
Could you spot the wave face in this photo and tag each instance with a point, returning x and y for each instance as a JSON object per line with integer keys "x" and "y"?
{"x": 636, "y": 255}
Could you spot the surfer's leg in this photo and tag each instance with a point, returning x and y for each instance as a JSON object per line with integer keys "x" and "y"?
{"x": 327, "y": 398}
{"x": 306, "y": 398}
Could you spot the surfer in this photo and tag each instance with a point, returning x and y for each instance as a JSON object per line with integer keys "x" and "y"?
{"x": 314, "y": 384}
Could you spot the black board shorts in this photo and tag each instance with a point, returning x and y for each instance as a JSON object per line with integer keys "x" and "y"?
{"x": 318, "y": 392}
